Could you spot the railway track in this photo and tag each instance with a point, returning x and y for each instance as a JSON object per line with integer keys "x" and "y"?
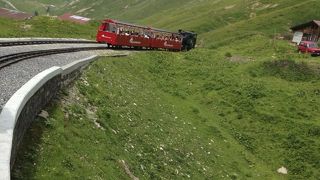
{"x": 17, "y": 57}
{"x": 21, "y": 43}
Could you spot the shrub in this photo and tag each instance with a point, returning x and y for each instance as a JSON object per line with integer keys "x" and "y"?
{"x": 228, "y": 55}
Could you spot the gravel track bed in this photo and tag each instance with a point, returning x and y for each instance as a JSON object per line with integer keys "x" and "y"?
{"x": 17, "y": 49}
{"x": 16, "y": 75}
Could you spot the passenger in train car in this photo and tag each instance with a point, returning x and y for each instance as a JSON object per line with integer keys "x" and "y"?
{"x": 151, "y": 34}
{"x": 113, "y": 28}
{"x": 121, "y": 31}
{"x": 145, "y": 35}
{"x": 127, "y": 31}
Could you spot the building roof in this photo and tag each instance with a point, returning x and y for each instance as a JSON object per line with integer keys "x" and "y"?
{"x": 13, "y": 14}
{"x": 74, "y": 18}
{"x": 313, "y": 22}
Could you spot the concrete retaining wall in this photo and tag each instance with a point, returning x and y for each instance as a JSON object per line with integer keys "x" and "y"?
{"x": 22, "y": 108}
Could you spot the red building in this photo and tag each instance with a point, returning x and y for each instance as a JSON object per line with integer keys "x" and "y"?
{"x": 74, "y": 18}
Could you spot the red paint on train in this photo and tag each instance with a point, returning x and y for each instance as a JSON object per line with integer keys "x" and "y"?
{"x": 120, "y": 34}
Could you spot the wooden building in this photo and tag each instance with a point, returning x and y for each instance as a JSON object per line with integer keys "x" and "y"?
{"x": 310, "y": 31}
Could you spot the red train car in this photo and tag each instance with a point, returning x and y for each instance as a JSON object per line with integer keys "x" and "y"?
{"x": 120, "y": 34}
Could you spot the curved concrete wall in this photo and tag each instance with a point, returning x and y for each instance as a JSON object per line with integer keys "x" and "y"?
{"x": 25, "y": 104}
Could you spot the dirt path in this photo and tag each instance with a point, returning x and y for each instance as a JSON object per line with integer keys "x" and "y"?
{"x": 10, "y": 4}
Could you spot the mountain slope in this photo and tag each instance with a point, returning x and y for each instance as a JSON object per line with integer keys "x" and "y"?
{"x": 241, "y": 107}
{"x": 214, "y": 20}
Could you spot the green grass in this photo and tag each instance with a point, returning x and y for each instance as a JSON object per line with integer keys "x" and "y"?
{"x": 175, "y": 115}
{"x": 240, "y": 106}
{"x": 46, "y": 27}
{"x": 218, "y": 23}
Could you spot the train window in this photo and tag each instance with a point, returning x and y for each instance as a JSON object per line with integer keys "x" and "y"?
{"x": 121, "y": 30}
{"x": 112, "y": 28}
{"x": 105, "y": 27}
{"x": 147, "y": 34}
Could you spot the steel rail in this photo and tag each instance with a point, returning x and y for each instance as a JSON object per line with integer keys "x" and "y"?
{"x": 14, "y": 58}
{"x": 21, "y": 43}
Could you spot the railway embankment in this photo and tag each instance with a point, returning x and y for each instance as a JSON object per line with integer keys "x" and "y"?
{"x": 25, "y": 104}
{"x": 14, "y": 76}
{"x": 22, "y": 108}
{"x": 26, "y": 87}
{"x": 180, "y": 115}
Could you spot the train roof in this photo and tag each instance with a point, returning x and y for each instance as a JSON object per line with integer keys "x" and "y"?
{"x": 144, "y": 27}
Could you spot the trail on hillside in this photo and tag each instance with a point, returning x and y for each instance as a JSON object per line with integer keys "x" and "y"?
{"x": 10, "y": 4}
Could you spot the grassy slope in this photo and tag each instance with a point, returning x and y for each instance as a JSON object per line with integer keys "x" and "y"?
{"x": 191, "y": 114}
{"x": 217, "y": 22}
{"x": 126, "y": 9}
{"x": 261, "y": 111}
{"x": 36, "y": 5}
{"x": 268, "y": 24}
{"x": 202, "y": 16}
{"x": 46, "y": 27}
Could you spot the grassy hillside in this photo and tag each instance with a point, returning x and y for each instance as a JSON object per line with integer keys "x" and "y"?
{"x": 125, "y": 9}
{"x": 178, "y": 115}
{"x": 46, "y": 27}
{"x": 240, "y": 106}
{"x": 34, "y": 5}
{"x": 217, "y": 22}
{"x": 272, "y": 24}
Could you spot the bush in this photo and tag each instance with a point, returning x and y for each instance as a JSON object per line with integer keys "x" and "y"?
{"x": 289, "y": 70}
{"x": 228, "y": 55}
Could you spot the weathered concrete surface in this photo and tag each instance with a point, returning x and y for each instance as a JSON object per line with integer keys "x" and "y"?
{"x": 22, "y": 108}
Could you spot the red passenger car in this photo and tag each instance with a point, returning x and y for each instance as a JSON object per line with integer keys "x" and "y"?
{"x": 120, "y": 34}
